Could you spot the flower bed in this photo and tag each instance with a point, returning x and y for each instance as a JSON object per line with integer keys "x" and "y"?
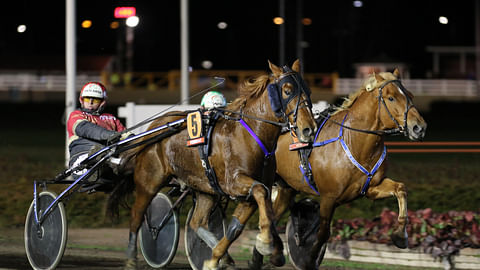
{"x": 447, "y": 239}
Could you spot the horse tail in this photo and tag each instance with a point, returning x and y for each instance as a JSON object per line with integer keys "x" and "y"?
{"x": 120, "y": 196}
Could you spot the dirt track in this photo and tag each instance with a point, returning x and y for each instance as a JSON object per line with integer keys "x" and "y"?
{"x": 102, "y": 249}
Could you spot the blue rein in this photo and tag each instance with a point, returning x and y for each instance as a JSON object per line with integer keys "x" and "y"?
{"x": 349, "y": 155}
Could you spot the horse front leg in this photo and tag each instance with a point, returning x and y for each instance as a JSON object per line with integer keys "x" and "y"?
{"x": 387, "y": 188}
{"x": 282, "y": 197}
{"x": 241, "y": 214}
{"x": 327, "y": 208}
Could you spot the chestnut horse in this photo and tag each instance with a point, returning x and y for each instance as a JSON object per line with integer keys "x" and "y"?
{"x": 242, "y": 140}
{"x": 346, "y": 159}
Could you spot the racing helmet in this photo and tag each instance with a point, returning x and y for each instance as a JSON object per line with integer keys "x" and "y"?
{"x": 213, "y": 99}
{"x": 94, "y": 90}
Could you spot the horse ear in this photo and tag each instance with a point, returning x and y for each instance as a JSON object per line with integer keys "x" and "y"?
{"x": 296, "y": 66}
{"x": 275, "y": 70}
{"x": 396, "y": 73}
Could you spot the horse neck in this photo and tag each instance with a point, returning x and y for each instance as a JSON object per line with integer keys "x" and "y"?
{"x": 266, "y": 132}
{"x": 363, "y": 114}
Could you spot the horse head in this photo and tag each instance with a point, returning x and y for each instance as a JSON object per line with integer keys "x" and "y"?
{"x": 290, "y": 100}
{"x": 395, "y": 105}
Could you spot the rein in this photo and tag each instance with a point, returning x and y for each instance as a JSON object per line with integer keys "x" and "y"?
{"x": 220, "y": 81}
{"x": 400, "y": 130}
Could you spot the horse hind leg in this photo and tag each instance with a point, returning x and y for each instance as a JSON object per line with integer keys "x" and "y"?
{"x": 142, "y": 200}
{"x": 145, "y": 190}
{"x": 387, "y": 188}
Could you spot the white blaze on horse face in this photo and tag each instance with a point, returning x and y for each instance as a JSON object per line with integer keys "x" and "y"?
{"x": 401, "y": 92}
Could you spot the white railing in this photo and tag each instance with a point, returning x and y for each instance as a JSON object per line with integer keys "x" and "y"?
{"x": 33, "y": 82}
{"x": 463, "y": 88}
{"x": 29, "y": 81}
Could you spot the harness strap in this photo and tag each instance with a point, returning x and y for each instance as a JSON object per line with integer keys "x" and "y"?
{"x": 259, "y": 142}
{"x": 361, "y": 168}
{"x": 307, "y": 174}
{"x": 305, "y": 166}
{"x": 322, "y": 143}
{"x": 349, "y": 154}
{"x": 204, "y": 152}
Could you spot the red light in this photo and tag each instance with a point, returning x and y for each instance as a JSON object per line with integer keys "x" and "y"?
{"x": 124, "y": 12}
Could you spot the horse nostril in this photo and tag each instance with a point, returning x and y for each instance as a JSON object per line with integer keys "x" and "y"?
{"x": 417, "y": 129}
{"x": 307, "y": 132}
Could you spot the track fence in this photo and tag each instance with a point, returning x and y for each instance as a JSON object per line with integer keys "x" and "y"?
{"x": 433, "y": 147}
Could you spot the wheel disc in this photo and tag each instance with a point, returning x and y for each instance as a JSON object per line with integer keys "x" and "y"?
{"x": 159, "y": 252}
{"x": 45, "y": 244}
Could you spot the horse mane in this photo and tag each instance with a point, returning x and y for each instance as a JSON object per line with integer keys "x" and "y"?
{"x": 251, "y": 88}
{"x": 370, "y": 82}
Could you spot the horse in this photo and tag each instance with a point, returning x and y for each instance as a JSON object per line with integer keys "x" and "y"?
{"x": 243, "y": 139}
{"x": 347, "y": 158}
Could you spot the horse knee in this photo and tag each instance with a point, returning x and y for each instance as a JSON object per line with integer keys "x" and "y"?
{"x": 402, "y": 189}
{"x": 258, "y": 191}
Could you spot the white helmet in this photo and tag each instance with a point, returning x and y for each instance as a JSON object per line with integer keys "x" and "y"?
{"x": 93, "y": 89}
{"x": 213, "y": 99}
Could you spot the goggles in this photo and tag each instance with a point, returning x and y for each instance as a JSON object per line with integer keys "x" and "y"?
{"x": 92, "y": 100}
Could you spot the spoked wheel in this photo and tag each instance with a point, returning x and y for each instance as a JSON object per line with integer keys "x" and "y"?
{"x": 197, "y": 250}
{"x": 159, "y": 249}
{"x": 45, "y": 243}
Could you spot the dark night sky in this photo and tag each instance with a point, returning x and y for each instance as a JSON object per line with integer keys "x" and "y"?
{"x": 339, "y": 35}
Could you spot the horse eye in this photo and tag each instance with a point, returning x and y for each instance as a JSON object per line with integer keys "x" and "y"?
{"x": 288, "y": 89}
{"x": 391, "y": 99}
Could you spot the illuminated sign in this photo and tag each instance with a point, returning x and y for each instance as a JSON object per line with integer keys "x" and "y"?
{"x": 124, "y": 12}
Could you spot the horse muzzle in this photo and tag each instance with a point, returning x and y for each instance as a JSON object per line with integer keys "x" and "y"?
{"x": 416, "y": 132}
{"x": 305, "y": 135}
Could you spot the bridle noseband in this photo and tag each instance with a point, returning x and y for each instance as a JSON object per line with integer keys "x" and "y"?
{"x": 408, "y": 105}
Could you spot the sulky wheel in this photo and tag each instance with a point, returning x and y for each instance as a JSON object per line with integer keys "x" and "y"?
{"x": 45, "y": 243}
{"x": 197, "y": 250}
{"x": 159, "y": 246}
{"x": 298, "y": 252}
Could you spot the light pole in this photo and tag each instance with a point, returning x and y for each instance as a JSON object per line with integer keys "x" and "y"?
{"x": 131, "y": 22}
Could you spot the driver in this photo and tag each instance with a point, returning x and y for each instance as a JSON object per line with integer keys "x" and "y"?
{"x": 89, "y": 129}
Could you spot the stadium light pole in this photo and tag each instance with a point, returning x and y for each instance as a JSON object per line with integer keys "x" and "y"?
{"x": 281, "y": 33}
{"x": 70, "y": 59}
{"x": 184, "y": 58}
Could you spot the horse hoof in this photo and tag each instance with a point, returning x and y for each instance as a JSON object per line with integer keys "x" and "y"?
{"x": 254, "y": 265}
{"x": 264, "y": 248}
{"x": 207, "y": 265}
{"x": 130, "y": 264}
{"x": 226, "y": 262}
{"x": 399, "y": 240}
{"x": 277, "y": 260}
{"x": 227, "y": 267}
